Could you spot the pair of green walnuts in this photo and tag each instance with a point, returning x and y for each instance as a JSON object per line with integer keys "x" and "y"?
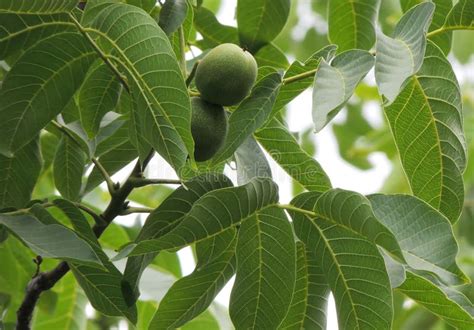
{"x": 224, "y": 77}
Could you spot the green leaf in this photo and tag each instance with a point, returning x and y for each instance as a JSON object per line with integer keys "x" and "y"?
{"x": 446, "y": 303}
{"x": 334, "y": 84}
{"x": 70, "y": 311}
{"x": 51, "y": 240}
{"x": 98, "y": 95}
{"x": 461, "y": 16}
{"x": 289, "y": 91}
{"x": 170, "y": 213}
{"x": 285, "y": 150}
{"x": 15, "y": 274}
{"x": 213, "y": 213}
{"x": 250, "y": 115}
{"x": 213, "y": 32}
{"x": 352, "y": 23}
{"x": 426, "y": 123}
{"x": 172, "y": 15}
{"x": 68, "y": 168}
{"x": 191, "y": 295}
{"x": 161, "y": 100}
{"x": 400, "y": 56}
{"x": 354, "y": 212}
{"x": 425, "y": 236}
{"x": 146, "y": 5}
{"x": 353, "y": 267}
{"x": 18, "y": 175}
{"x": 266, "y": 271}
{"x": 30, "y": 97}
{"x": 309, "y": 303}
{"x": 251, "y": 162}
{"x": 260, "y": 21}
{"x": 271, "y": 55}
{"x": 37, "y": 6}
{"x": 19, "y": 32}
{"x": 77, "y": 219}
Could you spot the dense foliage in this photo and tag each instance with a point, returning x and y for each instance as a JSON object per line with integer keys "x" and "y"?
{"x": 96, "y": 88}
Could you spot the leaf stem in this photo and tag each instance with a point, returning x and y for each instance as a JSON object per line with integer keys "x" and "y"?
{"x": 448, "y": 28}
{"x": 141, "y": 182}
{"x": 300, "y": 76}
{"x": 81, "y": 29}
{"x": 182, "y": 47}
{"x": 297, "y": 209}
{"x": 132, "y": 210}
{"x": 111, "y": 186}
{"x": 194, "y": 93}
{"x": 192, "y": 74}
{"x": 97, "y": 218}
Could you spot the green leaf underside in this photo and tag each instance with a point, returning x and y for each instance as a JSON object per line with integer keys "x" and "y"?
{"x": 262, "y": 294}
{"x": 426, "y": 123}
{"x": 170, "y": 213}
{"x": 310, "y": 297}
{"x": 260, "y": 21}
{"x": 51, "y": 240}
{"x": 30, "y": 97}
{"x": 335, "y": 83}
{"x": 400, "y": 56}
{"x": 98, "y": 95}
{"x": 18, "y": 175}
{"x": 353, "y": 267}
{"x": 251, "y": 162}
{"x": 213, "y": 213}
{"x": 191, "y": 295}
{"x": 445, "y": 304}
{"x": 250, "y": 115}
{"x": 37, "y": 6}
{"x": 442, "y": 40}
{"x": 354, "y": 212}
{"x": 19, "y": 32}
{"x": 156, "y": 83}
{"x": 289, "y": 91}
{"x": 425, "y": 236}
{"x": 68, "y": 168}
{"x": 352, "y": 23}
{"x": 285, "y": 150}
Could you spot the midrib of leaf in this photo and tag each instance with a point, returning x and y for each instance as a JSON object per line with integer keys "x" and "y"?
{"x": 259, "y": 24}
{"x": 144, "y": 88}
{"x": 220, "y": 274}
{"x": 335, "y": 262}
{"x": 45, "y": 82}
{"x": 34, "y": 27}
{"x": 105, "y": 297}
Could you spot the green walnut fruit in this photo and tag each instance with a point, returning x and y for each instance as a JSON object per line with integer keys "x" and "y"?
{"x": 226, "y": 75}
{"x": 208, "y": 127}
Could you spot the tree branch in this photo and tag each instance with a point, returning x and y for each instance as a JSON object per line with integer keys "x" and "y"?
{"x": 46, "y": 280}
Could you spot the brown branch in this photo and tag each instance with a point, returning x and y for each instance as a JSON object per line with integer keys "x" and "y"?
{"x": 46, "y": 280}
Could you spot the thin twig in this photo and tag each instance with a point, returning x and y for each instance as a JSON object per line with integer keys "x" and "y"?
{"x": 46, "y": 280}
{"x": 111, "y": 186}
{"x": 97, "y": 218}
